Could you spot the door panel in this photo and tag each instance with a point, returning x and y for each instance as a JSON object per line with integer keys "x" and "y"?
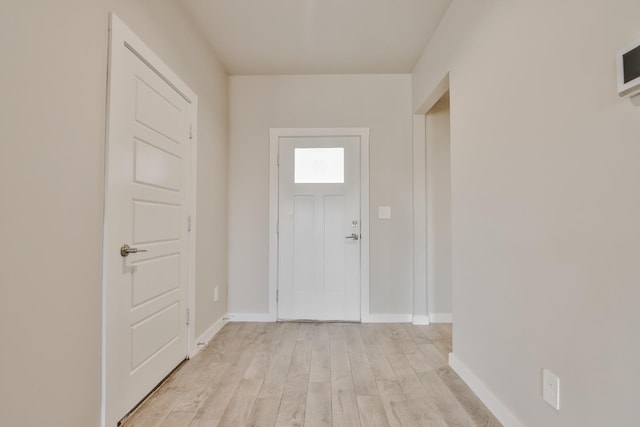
{"x": 155, "y": 277}
{"x": 153, "y": 334}
{"x": 154, "y": 166}
{"x": 156, "y": 221}
{"x": 147, "y": 180}
{"x": 304, "y": 266}
{"x": 154, "y": 110}
{"x": 335, "y": 254}
{"x": 319, "y": 205}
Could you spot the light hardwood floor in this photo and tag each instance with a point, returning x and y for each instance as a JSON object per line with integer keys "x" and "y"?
{"x": 317, "y": 374}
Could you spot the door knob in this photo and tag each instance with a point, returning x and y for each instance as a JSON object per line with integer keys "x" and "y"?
{"x": 125, "y": 250}
{"x": 353, "y": 236}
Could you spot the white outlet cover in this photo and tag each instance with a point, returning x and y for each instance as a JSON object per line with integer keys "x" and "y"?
{"x": 551, "y": 389}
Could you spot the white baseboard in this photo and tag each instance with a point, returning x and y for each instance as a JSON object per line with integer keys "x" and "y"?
{"x": 387, "y": 318}
{"x": 487, "y": 397}
{"x": 371, "y": 318}
{"x": 420, "y": 319}
{"x": 440, "y": 317}
{"x": 250, "y": 317}
{"x": 204, "y": 339}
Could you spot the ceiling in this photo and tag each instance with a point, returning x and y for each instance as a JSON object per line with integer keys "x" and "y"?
{"x": 317, "y": 36}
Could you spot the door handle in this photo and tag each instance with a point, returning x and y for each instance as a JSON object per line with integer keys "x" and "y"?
{"x": 125, "y": 250}
{"x": 353, "y": 236}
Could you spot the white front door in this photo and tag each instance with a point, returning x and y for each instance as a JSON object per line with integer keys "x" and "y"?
{"x": 319, "y": 228}
{"x": 146, "y": 293}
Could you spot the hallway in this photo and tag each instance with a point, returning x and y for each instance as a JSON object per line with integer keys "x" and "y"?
{"x": 317, "y": 374}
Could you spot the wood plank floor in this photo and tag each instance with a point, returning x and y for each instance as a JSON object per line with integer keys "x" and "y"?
{"x": 317, "y": 374}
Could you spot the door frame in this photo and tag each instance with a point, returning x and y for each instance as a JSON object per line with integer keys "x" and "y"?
{"x": 121, "y": 40}
{"x": 274, "y": 137}
{"x": 422, "y": 259}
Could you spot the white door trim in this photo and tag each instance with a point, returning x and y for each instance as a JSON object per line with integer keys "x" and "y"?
{"x": 421, "y": 257}
{"x": 122, "y": 38}
{"x": 274, "y": 135}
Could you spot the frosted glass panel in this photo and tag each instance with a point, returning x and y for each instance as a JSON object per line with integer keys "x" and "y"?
{"x": 319, "y": 165}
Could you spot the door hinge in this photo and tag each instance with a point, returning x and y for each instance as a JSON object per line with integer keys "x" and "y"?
{"x": 188, "y": 317}
{"x": 189, "y": 223}
{"x": 190, "y": 131}
{"x": 277, "y": 295}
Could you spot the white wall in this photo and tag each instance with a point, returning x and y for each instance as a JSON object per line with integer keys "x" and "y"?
{"x": 438, "y": 189}
{"x": 545, "y": 203}
{"x": 52, "y": 128}
{"x": 379, "y": 102}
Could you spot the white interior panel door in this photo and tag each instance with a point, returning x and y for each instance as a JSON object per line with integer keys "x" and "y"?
{"x": 319, "y": 228}
{"x": 146, "y": 292}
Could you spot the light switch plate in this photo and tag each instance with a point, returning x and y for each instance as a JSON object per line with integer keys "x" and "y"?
{"x": 215, "y": 294}
{"x": 384, "y": 212}
{"x": 551, "y": 389}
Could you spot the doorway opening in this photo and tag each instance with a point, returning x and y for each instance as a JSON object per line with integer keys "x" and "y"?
{"x": 432, "y": 214}
{"x": 438, "y": 210}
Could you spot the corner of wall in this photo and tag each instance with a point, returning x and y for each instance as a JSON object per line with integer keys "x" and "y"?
{"x": 203, "y": 340}
{"x": 495, "y": 405}
{"x": 441, "y": 318}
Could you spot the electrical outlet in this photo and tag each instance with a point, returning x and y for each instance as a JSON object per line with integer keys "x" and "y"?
{"x": 551, "y": 389}
{"x": 216, "y": 297}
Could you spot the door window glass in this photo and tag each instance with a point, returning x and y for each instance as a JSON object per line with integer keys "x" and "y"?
{"x": 319, "y": 165}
